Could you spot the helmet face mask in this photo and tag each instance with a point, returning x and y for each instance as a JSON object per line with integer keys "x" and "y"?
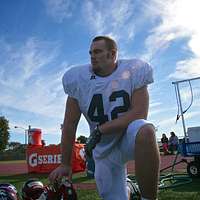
{"x": 61, "y": 191}
{"x": 67, "y": 190}
{"x": 133, "y": 189}
{"x": 8, "y": 185}
{"x": 52, "y": 193}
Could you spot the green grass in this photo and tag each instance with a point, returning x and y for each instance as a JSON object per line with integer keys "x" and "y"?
{"x": 12, "y": 161}
{"x": 189, "y": 191}
{"x": 88, "y": 195}
{"x": 18, "y": 180}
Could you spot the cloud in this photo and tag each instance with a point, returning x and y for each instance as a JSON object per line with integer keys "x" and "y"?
{"x": 59, "y": 10}
{"x": 83, "y": 127}
{"x": 177, "y": 19}
{"x": 186, "y": 69}
{"x": 188, "y": 93}
{"x": 113, "y": 18}
{"x": 155, "y": 104}
{"x": 24, "y": 61}
{"x": 155, "y": 108}
{"x": 167, "y": 122}
{"x": 189, "y": 98}
{"x": 159, "y": 111}
{"x": 28, "y": 80}
{"x": 192, "y": 115}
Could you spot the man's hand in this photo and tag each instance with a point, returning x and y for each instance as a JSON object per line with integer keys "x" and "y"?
{"x": 91, "y": 142}
{"x": 59, "y": 172}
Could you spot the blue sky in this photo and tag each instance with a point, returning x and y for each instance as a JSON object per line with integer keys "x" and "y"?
{"x": 40, "y": 39}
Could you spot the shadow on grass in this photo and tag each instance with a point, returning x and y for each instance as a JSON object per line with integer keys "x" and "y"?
{"x": 194, "y": 186}
{"x": 187, "y": 191}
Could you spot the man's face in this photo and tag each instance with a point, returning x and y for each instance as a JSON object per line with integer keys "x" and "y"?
{"x": 101, "y": 57}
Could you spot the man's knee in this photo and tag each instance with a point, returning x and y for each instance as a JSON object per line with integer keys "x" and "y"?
{"x": 146, "y": 134}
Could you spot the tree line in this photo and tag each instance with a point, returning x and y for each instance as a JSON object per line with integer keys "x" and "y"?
{"x": 4, "y": 133}
{"x": 16, "y": 150}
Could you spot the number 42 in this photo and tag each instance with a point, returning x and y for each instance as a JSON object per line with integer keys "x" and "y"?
{"x": 96, "y": 104}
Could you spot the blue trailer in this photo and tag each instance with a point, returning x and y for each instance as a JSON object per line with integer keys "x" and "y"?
{"x": 190, "y": 145}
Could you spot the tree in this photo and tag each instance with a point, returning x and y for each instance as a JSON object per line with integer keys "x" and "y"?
{"x": 14, "y": 145}
{"x": 82, "y": 139}
{"x": 4, "y": 133}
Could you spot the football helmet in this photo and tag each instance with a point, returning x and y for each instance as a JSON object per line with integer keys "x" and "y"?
{"x": 32, "y": 189}
{"x": 51, "y": 193}
{"x": 8, "y": 192}
{"x": 133, "y": 189}
{"x": 62, "y": 190}
{"x": 67, "y": 190}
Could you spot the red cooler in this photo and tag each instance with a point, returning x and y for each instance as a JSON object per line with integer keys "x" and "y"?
{"x": 34, "y": 136}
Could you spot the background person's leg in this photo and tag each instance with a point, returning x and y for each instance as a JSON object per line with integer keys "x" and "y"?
{"x": 165, "y": 149}
{"x": 171, "y": 149}
{"x": 147, "y": 162}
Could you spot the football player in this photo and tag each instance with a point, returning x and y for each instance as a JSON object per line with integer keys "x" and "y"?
{"x": 113, "y": 96}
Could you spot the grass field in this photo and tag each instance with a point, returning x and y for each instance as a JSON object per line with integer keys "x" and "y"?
{"x": 189, "y": 191}
{"x": 13, "y": 161}
{"x": 186, "y": 192}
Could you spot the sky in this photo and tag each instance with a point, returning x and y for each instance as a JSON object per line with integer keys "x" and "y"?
{"x": 40, "y": 39}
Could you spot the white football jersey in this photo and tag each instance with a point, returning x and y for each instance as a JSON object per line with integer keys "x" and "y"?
{"x": 102, "y": 99}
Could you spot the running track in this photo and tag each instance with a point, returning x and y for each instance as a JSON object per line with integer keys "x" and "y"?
{"x": 21, "y": 168}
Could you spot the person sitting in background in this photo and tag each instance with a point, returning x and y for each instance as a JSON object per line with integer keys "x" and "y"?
{"x": 173, "y": 142}
{"x": 164, "y": 141}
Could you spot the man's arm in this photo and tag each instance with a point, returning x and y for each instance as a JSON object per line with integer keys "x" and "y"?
{"x": 139, "y": 110}
{"x": 71, "y": 119}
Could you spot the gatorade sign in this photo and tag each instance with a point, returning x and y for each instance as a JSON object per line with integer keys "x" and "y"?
{"x": 35, "y": 159}
{"x": 44, "y": 159}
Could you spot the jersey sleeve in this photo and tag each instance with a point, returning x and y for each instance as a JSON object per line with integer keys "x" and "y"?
{"x": 70, "y": 84}
{"x": 142, "y": 74}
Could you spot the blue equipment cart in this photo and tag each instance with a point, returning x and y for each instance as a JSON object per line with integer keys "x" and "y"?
{"x": 190, "y": 145}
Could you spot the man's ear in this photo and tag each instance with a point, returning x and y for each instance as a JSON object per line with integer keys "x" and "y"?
{"x": 114, "y": 53}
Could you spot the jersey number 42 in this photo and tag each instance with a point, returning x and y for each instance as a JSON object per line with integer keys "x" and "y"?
{"x": 96, "y": 109}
